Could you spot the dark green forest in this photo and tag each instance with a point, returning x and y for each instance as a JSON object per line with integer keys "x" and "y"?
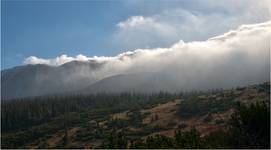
{"x": 31, "y": 118}
{"x": 28, "y": 122}
{"x": 23, "y": 113}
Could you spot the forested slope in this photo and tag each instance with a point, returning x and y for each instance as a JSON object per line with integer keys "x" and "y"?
{"x": 212, "y": 119}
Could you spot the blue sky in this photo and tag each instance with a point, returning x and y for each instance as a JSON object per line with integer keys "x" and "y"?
{"x": 48, "y": 29}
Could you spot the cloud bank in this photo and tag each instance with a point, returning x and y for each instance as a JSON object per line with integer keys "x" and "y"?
{"x": 237, "y": 57}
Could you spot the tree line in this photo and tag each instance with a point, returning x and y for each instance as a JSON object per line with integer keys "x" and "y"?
{"x": 21, "y": 114}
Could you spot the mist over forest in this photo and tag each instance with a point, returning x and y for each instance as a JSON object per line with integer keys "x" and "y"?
{"x": 236, "y": 58}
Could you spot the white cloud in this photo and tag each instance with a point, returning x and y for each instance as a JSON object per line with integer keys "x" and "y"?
{"x": 170, "y": 24}
{"x": 237, "y": 57}
{"x": 63, "y": 59}
{"x": 143, "y": 32}
{"x": 35, "y": 60}
{"x": 135, "y": 21}
{"x": 140, "y": 24}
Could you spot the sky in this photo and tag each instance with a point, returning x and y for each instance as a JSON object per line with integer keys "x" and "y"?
{"x": 46, "y": 31}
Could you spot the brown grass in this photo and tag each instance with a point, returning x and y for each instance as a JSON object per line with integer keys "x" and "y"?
{"x": 122, "y": 115}
{"x": 163, "y": 114}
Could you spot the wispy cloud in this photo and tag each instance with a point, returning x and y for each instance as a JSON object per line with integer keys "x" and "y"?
{"x": 143, "y": 32}
{"x": 136, "y": 21}
{"x": 200, "y": 22}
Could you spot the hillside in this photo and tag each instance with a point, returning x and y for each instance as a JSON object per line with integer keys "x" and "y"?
{"x": 85, "y": 122}
{"x": 41, "y": 80}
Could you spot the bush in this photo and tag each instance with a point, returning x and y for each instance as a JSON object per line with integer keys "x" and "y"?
{"x": 250, "y": 126}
